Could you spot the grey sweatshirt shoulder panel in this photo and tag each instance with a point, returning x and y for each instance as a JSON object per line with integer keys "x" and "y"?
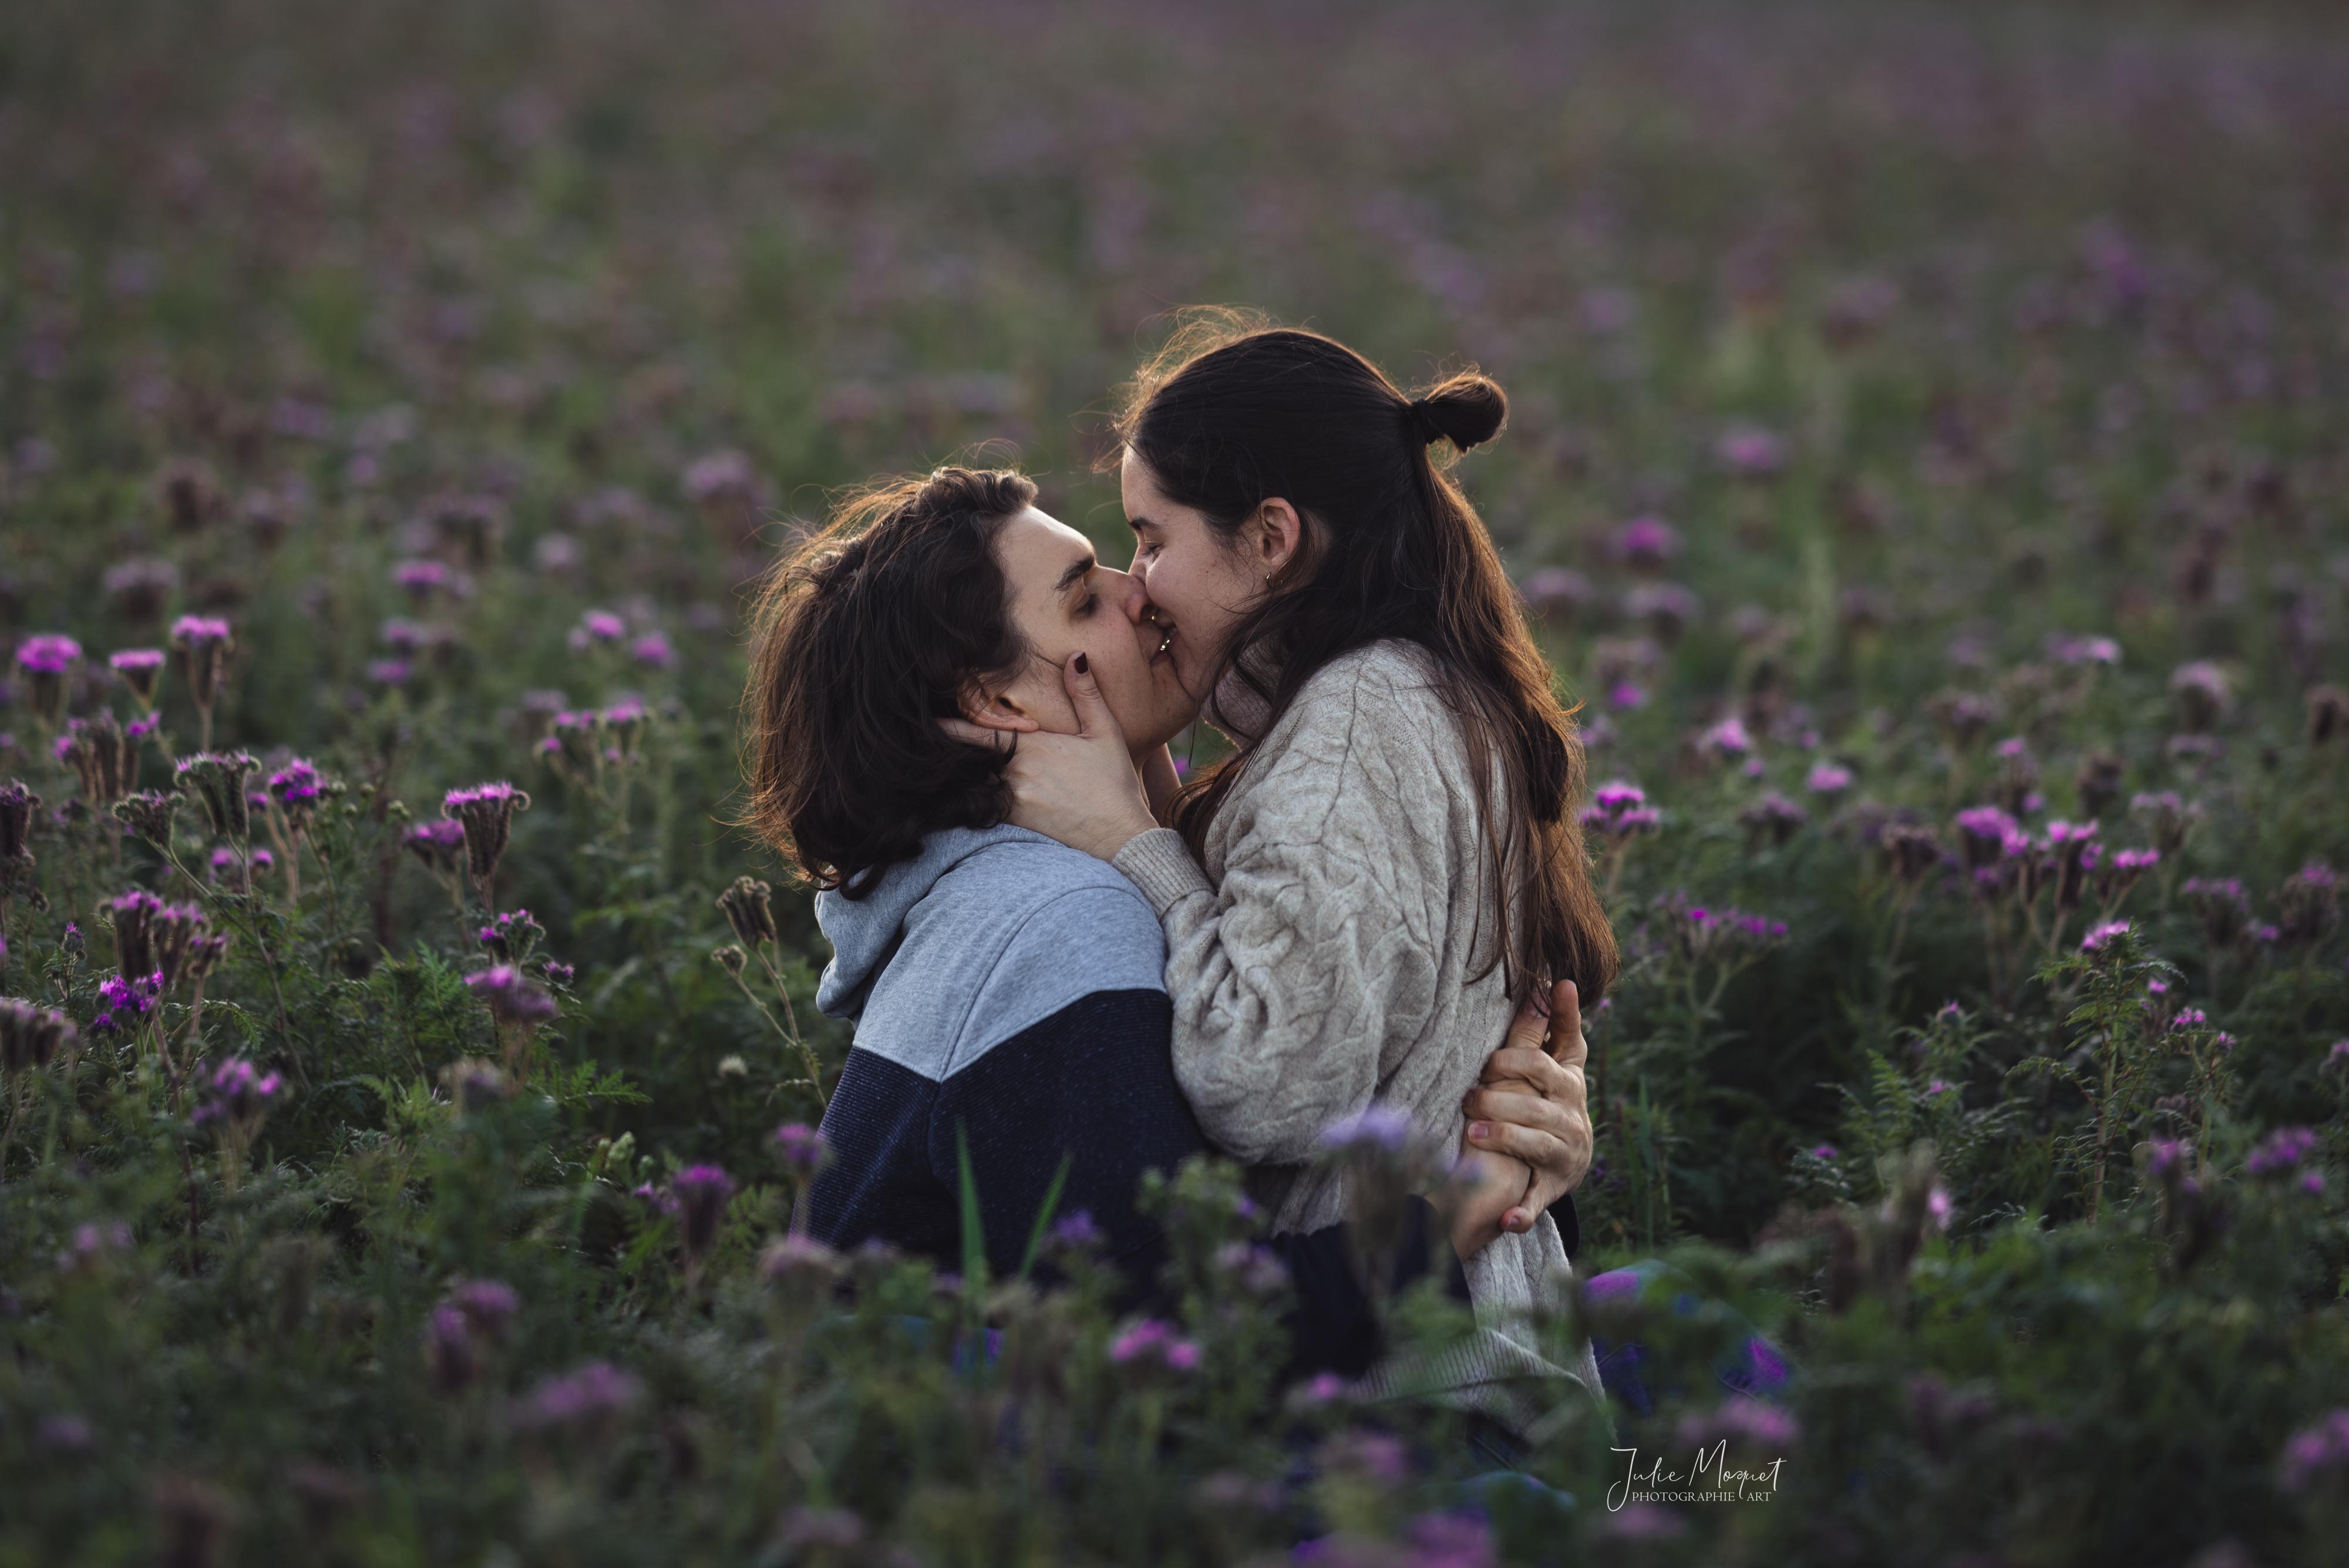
{"x": 985, "y": 933}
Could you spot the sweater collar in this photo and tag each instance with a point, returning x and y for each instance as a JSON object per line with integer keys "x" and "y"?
{"x": 1233, "y": 706}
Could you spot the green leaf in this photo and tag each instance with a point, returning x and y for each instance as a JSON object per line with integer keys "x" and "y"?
{"x": 974, "y": 1236}
{"x": 1044, "y": 1217}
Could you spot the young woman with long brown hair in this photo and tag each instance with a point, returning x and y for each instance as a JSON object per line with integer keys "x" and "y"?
{"x": 1356, "y": 901}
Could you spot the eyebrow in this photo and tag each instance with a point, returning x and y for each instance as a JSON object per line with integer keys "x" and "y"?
{"x": 1074, "y": 571}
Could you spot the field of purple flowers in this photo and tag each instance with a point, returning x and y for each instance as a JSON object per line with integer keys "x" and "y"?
{"x": 1928, "y": 465}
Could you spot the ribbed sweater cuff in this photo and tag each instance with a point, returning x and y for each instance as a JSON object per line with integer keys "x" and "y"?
{"x": 1159, "y": 863}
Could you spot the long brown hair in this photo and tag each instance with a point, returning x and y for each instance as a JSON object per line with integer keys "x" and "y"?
{"x": 1234, "y": 411}
{"x": 866, "y": 635}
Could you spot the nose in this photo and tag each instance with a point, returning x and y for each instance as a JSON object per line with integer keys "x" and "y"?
{"x": 1132, "y": 595}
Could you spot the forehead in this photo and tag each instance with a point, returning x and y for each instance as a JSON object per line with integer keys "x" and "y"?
{"x": 1035, "y": 547}
{"x": 1135, "y": 482}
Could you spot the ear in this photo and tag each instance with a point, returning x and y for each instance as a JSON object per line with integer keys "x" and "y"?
{"x": 996, "y": 709}
{"x": 1278, "y": 534}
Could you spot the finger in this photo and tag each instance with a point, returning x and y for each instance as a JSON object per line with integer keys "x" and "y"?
{"x": 1535, "y": 1148}
{"x": 965, "y": 730}
{"x": 1530, "y": 1029}
{"x": 1093, "y": 717}
{"x": 1522, "y": 1065}
{"x": 1496, "y": 1105}
{"x": 1566, "y": 1042}
{"x": 1519, "y": 1218}
{"x": 996, "y": 719}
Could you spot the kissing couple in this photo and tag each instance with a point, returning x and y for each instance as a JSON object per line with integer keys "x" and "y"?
{"x": 1055, "y": 948}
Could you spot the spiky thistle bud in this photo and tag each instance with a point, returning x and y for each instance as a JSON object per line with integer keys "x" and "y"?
{"x": 176, "y": 929}
{"x": 30, "y": 1035}
{"x": 17, "y": 805}
{"x": 748, "y": 911}
{"x": 438, "y": 844}
{"x": 1912, "y": 850}
{"x": 103, "y": 756}
{"x": 133, "y": 917}
{"x": 511, "y": 938}
{"x": 203, "y": 643}
{"x": 149, "y": 815}
{"x": 217, "y": 779}
{"x": 2328, "y": 714}
{"x": 486, "y": 811}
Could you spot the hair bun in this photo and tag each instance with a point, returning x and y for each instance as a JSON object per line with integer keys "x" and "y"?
{"x": 1466, "y": 410}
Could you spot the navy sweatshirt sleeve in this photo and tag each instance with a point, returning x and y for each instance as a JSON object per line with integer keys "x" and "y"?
{"x": 1092, "y": 1083}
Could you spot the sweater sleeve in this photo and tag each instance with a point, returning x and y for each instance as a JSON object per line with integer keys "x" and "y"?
{"x": 1324, "y": 940}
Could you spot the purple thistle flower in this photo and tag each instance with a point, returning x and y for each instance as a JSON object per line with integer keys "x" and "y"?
{"x": 140, "y": 669}
{"x": 596, "y": 626}
{"x": 720, "y": 475}
{"x": 702, "y": 1192}
{"x": 511, "y": 998}
{"x": 236, "y": 1092}
{"x": 803, "y": 1150}
{"x": 420, "y": 579}
{"x": 2282, "y": 1152}
{"x": 192, "y": 631}
{"x": 47, "y": 657}
{"x": 1827, "y": 779}
{"x": 2165, "y": 1158}
{"x": 438, "y": 842}
{"x": 1823, "y": 1151}
{"x": 1727, "y": 739}
{"x": 1553, "y": 590}
{"x": 1076, "y": 1231}
{"x": 1647, "y": 543}
{"x": 1381, "y": 1128}
{"x": 588, "y": 1395}
{"x": 794, "y": 1259}
{"x": 296, "y": 787}
{"x": 47, "y": 653}
{"x": 1618, "y": 795}
{"x": 1157, "y": 1340}
{"x": 2101, "y": 937}
{"x": 653, "y": 651}
{"x": 1749, "y": 452}
{"x": 489, "y": 1305}
{"x": 2315, "y": 1450}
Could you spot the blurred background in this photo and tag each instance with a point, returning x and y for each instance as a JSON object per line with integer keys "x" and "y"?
{"x": 1867, "y": 361}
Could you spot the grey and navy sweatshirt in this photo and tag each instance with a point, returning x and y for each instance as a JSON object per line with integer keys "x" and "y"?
{"x": 1009, "y": 990}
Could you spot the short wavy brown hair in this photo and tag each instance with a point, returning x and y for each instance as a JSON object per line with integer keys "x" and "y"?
{"x": 865, "y": 636}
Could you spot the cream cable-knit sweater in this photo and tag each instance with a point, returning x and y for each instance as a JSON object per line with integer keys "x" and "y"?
{"x": 1321, "y": 961}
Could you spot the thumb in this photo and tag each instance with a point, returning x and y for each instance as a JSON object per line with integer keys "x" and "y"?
{"x": 1093, "y": 717}
{"x": 1565, "y": 1042}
